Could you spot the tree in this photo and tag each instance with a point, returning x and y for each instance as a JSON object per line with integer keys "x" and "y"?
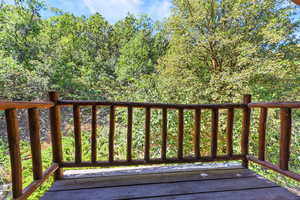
{"x": 221, "y": 49}
{"x": 141, "y": 44}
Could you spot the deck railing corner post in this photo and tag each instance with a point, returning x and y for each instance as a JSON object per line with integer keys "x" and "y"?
{"x": 246, "y": 129}
{"x": 55, "y": 125}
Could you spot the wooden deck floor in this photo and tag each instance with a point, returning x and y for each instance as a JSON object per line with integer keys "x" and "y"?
{"x": 208, "y": 184}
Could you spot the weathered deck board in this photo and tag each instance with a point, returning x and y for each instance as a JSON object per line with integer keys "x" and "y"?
{"x": 274, "y": 193}
{"x": 154, "y": 178}
{"x": 211, "y": 184}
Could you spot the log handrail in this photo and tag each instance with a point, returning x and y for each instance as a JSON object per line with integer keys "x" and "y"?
{"x": 285, "y": 137}
{"x": 151, "y": 105}
{"x": 13, "y": 134}
{"x": 291, "y": 104}
{"x": 5, "y": 105}
{"x": 56, "y": 169}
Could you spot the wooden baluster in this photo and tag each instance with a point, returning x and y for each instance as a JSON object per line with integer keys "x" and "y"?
{"x": 164, "y": 134}
{"x": 214, "y": 132}
{"x": 129, "y": 134}
{"x": 196, "y": 138}
{"x": 77, "y": 133}
{"x": 229, "y": 131}
{"x": 14, "y": 150}
{"x": 94, "y": 134}
{"x": 262, "y": 133}
{"x": 147, "y": 134}
{"x": 111, "y": 133}
{"x": 34, "y": 129}
{"x": 180, "y": 133}
{"x": 285, "y": 137}
{"x": 245, "y": 130}
{"x": 55, "y": 124}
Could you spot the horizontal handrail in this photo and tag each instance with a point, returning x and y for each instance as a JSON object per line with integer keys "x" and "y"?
{"x": 151, "y": 105}
{"x": 13, "y": 136}
{"x": 294, "y": 104}
{"x": 4, "y": 105}
{"x": 35, "y": 184}
{"x": 273, "y": 167}
{"x": 285, "y": 137}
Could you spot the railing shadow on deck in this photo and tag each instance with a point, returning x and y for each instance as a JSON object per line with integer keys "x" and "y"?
{"x": 54, "y": 105}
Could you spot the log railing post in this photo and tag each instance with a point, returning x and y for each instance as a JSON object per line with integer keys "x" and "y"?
{"x": 229, "y": 131}
{"x": 77, "y": 134}
{"x": 214, "y": 132}
{"x": 196, "y": 136}
{"x": 55, "y": 125}
{"x": 111, "y": 134}
{"x": 14, "y": 150}
{"x": 285, "y": 137}
{"x": 262, "y": 133}
{"x": 34, "y": 129}
{"x": 245, "y": 129}
{"x": 94, "y": 135}
{"x": 180, "y": 133}
{"x": 147, "y": 134}
{"x": 129, "y": 133}
{"x": 164, "y": 133}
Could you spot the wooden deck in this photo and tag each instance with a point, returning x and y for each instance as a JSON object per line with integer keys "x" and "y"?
{"x": 165, "y": 183}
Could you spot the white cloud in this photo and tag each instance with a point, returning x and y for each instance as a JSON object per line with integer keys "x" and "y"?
{"x": 115, "y": 10}
{"x": 160, "y": 9}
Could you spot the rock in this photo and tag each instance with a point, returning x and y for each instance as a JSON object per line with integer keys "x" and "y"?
{"x": 5, "y": 192}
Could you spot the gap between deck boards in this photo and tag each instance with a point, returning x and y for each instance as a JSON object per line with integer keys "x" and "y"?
{"x": 208, "y": 184}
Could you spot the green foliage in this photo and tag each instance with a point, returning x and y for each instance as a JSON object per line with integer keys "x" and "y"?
{"x": 206, "y": 51}
{"x": 221, "y": 49}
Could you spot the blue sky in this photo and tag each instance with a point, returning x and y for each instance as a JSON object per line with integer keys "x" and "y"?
{"x": 114, "y": 10}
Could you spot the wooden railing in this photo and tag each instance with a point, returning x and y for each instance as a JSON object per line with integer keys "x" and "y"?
{"x": 55, "y": 106}
{"x": 14, "y": 146}
{"x": 285, "y": 136}
{"x": 148, "y": 107}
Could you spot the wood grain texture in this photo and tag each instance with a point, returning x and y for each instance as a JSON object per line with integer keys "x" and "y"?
{"x": 285, "y": 137}
{"x": 55, "y": 125}
{"x": 153, "y": 187}
{"x": 196, "y": 135}
{"x": 245, "y": 129}
{"x": 77, "y": 134}
{"x": 275, "y": 168}
{"x": 295, "y": 104}
{"x": 147, "y": 134}
{"x": 36, "y": 183}
{"x": 151, "y": 105}
{"x": 153, "y": 178}
{"x": 34, "y": 133}
{"x": 180, "y": 134}
{"x": 129, "y": 133}
{"x": 5, "y": 105}
{"x": 214, "y": 132}
{"x": 94, "y": 134}
{"x": 229, "y": 131}
{"x": 13, "y": 137}
{"x": 262, "y": 133}
{"x": 271, "y": 193}
{"x": 111, "y": 134}
{"x": 164, "y": 134}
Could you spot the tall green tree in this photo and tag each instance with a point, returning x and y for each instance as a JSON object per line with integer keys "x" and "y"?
{"x": 220, "y": 49}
